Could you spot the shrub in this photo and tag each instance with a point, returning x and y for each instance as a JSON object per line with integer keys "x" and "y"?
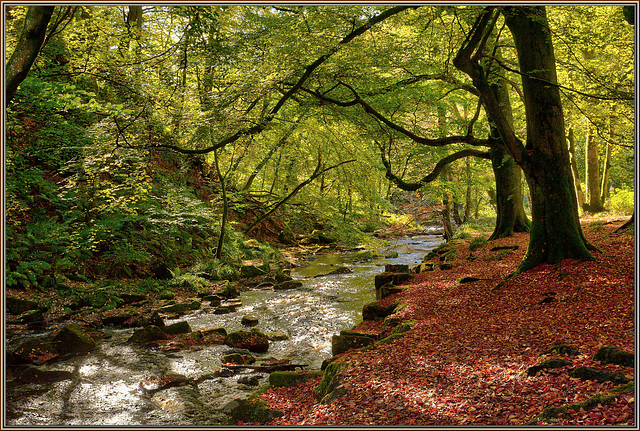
{"x": 622, "y": 201}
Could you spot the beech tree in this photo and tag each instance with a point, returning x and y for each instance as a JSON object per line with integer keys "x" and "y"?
{"x": 28, "y": 47}
{"x": 544, "y": 157}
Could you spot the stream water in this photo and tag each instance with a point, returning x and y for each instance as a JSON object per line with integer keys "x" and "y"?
{"x": 105, "y": 388}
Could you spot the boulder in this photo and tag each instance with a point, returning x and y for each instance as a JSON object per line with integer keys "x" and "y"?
{"x": 377, "y": 310}
{"x": 287, "y": 285}
{"x": 396, "y": 268}
{"x": 147, "y": 335}
{"x": 562, "y": 349}
{"x": 155, "y": 320}
{"x": 330, "y": 387}
{"x": 124, "y": 318}
{"x": 177, "y": 328}
{"x": 424, "y": 267}
{"x": 225, "y": 309}
{"x": 277, "y": 336}
{"x": 253, "y": 269}
{"x": 613, "y": 355}
{"x": 587, "y": 373}
{"x": 348, "y": 340}
{"x": 250, "y": 411}
{"x": 38, "y": 375}
{"x": 220, "y": 331}
{"x": 382, "y": 279}
{"x": 73, "y": 339}
{"x": 228, "y": 291}
{"x": 238, "y": 358}
{"x": 544, "y": 365}
{"x": 249, "y": 320}
{"x": 180, "y": 308}
{"x": 166, "y": 295}
{"x": 19, "y": 305}
{"x": 252, "y": 340}
{"x": 131, "y": 298}
{"x": 35, "y": 350}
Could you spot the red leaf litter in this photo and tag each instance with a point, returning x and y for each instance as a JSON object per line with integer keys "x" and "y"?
{"x": 464, "y": 361}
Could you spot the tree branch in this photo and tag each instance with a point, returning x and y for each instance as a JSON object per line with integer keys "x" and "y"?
{"x": 434, "y": 173}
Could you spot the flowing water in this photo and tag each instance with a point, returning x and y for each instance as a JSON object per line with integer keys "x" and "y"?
{"x": 105, "y": 388}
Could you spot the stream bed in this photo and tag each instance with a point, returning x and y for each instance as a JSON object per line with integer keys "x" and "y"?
{"x": 105, "y": 389}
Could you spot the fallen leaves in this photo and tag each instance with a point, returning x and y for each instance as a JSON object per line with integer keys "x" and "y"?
{"x": 464, "y": 361}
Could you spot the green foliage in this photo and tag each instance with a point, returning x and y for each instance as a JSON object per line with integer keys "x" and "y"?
{"x": 622, "y": 201}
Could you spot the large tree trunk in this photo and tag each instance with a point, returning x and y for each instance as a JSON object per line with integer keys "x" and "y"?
{"x": 555, "y": 231}
{"x": 510, "y": 215}
{"x": 28, "y": 47}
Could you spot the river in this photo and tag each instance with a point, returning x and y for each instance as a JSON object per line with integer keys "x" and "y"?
{"x": 105, "y": 388}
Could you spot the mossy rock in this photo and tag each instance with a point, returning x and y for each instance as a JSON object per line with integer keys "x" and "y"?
{"x": 550, "y": 363}
{"x": 388, "y": 290}
{"x": 424, "y": 267}
{"x": 555, "y": 412}
{"x": 588, "y": 373}
{"x": 73, "y": 339}
{"x": 19, "y": 305}
{"x": 252, "y": 340}
{"x": 627, "y": 388}
{"x": 396, "y": 268}
{"x": 382, "y": 279}
{"x": 464, "y": 280}
{"x": 286, "y": 285}
{"x": 177, "y": 328}
{"x": 249, "y": 320}
{"x": 250, "y": 411}
{"x": 238, "y": 358}
{"x": 376, "y": 311}
{"x": 348, "y": 340}
{"x": 446, "y": 266}
{"x": 147, "y": 335}
{"x": 33, "y": 351}
{"x": 38, "y": 375}
{"x": 614, "y": 355}
{"x": 249, "y": 271}
{"x": 215, "y": 331}
{"x": 390, "y": 339}
{"x": 291, "y": 378}
{"x": 33, "y": 316}
{"x": 180, "y": 308}
{"x": 166, "y": 295}
{"x": 330, "y": 380}
{"x": 562, "y": 349}
{"x": 277, "y": 336}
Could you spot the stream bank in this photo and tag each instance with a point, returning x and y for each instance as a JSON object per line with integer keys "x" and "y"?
{"x": 104, "y": 386}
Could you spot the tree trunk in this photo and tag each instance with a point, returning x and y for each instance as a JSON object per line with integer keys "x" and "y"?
{"x": 27, "y": 49}
{"x": 604, "y": 188}
{"x": 592, "y": 174}
{"x": 555, "y": 232}
{"x": 574, "y": 168}
{"x": 510, "y": 214}
{"x": 225, "y": 206}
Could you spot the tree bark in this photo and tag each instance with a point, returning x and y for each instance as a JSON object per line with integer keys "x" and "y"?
{"x": 592, "y": 174}
{"x": 574, "y": 168}
{"x": 510, "y": 214}
{"x": 27, "y": 49}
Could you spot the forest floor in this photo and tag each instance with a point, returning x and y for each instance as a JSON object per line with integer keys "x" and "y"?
{"x": 464, "y": 361}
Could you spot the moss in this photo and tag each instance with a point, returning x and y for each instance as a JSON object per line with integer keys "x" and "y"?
{"x": 551, "y": 363}
{"x": 587, "y": 373}
{"x": 291, "y": 378}
{"x": 562, "y": 349}
{"x": 251, "y": 411}
{"x": 477, "y": 243}
{"x": 330, "y": 379}
{"x": 625, "y": 389}
{"x": 554, "y": 412}
{"x": 613, "y": 355}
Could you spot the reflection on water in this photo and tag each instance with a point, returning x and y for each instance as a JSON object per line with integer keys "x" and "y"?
{"x": 106, "y": 388}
